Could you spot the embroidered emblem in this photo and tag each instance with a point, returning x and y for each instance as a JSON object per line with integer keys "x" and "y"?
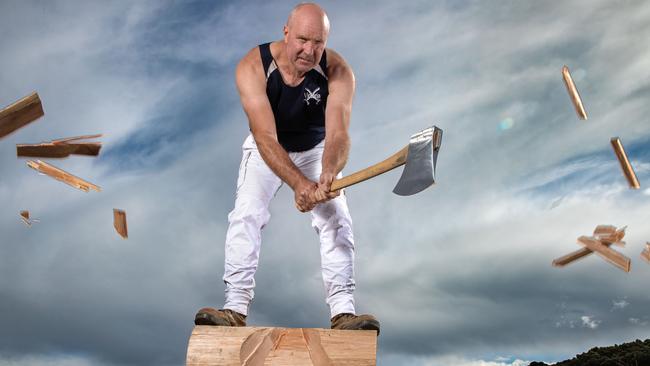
{"x": 312, "y": 95}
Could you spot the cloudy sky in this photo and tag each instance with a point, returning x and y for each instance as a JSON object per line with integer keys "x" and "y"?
{"x": 459, "y": 274}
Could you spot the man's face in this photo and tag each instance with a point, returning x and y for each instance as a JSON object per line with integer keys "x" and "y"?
{"x": 305, "y": 39}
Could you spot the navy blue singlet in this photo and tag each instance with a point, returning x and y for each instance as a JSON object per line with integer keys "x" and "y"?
{"x": 299, "y": 110}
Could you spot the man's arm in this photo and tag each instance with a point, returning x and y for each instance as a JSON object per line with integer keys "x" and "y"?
{"x": 337, "y": 119}
{"x": 251, "y": 85}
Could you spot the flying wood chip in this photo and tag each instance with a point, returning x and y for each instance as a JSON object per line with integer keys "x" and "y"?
{"x": 606, "y": 252}
{"x": 609, "y": 235}
{"x": 625, "y": 163}
{"x": 62, "y": 175}
{"x": 573, "y": 93}
{"x": 603, "y": 237}
{"x": 60, "y": 148}
{"x": 20, "y": 114}
{"x": 24, "y": 216}
{"x": 119, "y": 222}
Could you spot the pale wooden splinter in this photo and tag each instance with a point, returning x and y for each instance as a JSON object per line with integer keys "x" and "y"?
{"x": 60, "y": 148}
{"x": 607, "y": 234}
{"x": 607, "y": 253}
{"x": 20, "y": 113}
{"x": 62, "y": 175}
{"x": 603, "y": 237}
{"x": 625, "y": 163}
{"x": 573, "y": 93}
{"x": 119, "y": 223}
{"x": 254, "y": 346}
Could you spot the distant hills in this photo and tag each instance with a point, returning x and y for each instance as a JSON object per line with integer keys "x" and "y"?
{"x": 635, "y": 353}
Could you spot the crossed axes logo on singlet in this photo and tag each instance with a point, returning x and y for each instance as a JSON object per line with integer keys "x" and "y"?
{"x": 312, "y": 95}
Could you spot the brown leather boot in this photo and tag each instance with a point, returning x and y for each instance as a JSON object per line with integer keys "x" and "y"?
{"x": 222, "y": 317}
{"x": 347, "y": 321}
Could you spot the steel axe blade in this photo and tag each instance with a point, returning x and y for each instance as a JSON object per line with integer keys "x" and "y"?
{"x": 420, "y": 167}
{"x": 420, "y": 157}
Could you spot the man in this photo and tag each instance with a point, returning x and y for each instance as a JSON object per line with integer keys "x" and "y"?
{"x": 298, "y": 97}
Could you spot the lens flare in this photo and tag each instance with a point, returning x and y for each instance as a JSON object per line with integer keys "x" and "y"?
{"x": 506, "y": 123}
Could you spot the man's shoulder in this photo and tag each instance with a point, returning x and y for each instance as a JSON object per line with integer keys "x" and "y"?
{"x": 252, "y": 60}
{"x": 336, "y": 63}
{"x": 250, "y": 64}
{"x": 251, "y": 56}
{"x": 332, "y": 55}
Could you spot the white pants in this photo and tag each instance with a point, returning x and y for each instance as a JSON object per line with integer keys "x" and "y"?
{"x": 256, "y": 186}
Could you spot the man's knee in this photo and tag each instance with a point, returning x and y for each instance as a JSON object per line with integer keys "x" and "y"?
{"x": 250, "y": 210}
{"x": 332, "y": 217}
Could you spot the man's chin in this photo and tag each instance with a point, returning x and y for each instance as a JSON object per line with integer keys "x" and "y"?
{"x": 304, "y": 66}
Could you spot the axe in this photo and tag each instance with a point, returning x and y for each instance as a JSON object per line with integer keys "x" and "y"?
{"x": 419, "y": 158}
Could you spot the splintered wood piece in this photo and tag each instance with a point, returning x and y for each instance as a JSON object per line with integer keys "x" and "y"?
{"x": 608, "y": 234}
{"x": 66, "y": 140}
{"x": 24, "y": 216}
{"x": 119, "y": 223}
{"x": 607, "y": 253}
{"x": 20, "y": 113}
{"x": 58, "y": 150}
{"x": 62, "y": 175}
{"x": 61, "y": 148}
{"x": 573, "y": 256}
{"x": 625, "y": 163}
{"x": 573, "y": 93}
{"x": 602, "y": 230}
{"x": 253, "y": 346}
{"x": 645, "y": 254}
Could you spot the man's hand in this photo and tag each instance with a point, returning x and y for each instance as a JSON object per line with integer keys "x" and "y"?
{"x": 304, "y": 194}
{"x": 323, "y": 193}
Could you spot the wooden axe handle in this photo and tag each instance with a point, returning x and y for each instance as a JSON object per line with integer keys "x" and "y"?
{"x": 397, "y": 159}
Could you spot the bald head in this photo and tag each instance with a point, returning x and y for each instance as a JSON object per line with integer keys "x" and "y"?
{"x": 305, "y": 36}
{"x": 311, "y": 13}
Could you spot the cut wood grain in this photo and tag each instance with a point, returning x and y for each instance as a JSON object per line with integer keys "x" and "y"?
{"x": 610, "y": 255}
{"x": 61, "y": 175}
{"x": 119, "y": 223}
{"x": 20, "y": 113}
{"x": 632, "y": 180}
{"x": 60, "y": 148}
{"x": 606, "y": 234}
{"x": 257, "y": 346}
{"x": 573, "y": 93}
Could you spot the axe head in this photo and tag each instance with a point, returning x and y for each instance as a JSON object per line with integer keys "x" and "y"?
{"x": 420, "y": 167}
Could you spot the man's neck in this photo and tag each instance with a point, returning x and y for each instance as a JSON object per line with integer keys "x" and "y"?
{"x": 290, "y": 74}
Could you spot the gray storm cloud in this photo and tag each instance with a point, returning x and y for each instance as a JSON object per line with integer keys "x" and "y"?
{"x": 460, "y": 272}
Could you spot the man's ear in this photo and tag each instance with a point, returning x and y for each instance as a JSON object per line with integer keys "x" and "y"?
{"x": 285, "y": 31}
